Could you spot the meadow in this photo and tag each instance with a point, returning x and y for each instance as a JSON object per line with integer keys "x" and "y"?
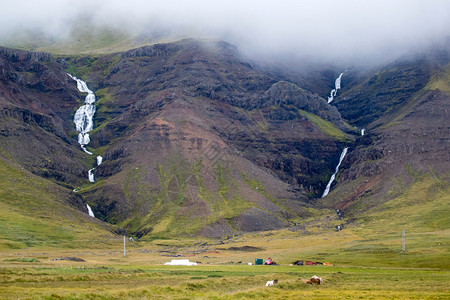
{"x": 361, "y": 269}
{"x": 218, "y": 282}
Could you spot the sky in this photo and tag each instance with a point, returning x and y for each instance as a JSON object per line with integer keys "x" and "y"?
{"x": 323, "y": 28}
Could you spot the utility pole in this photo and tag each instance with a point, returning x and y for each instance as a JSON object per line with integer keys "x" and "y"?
{"x": 124, "y": 246}
{"x": 403, "y": 241}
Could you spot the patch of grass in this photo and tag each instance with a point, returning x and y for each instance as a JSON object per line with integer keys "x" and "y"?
{"x": 230, "y": 204}
{"x": 257, "y": 186}
{"x": 326, "y": 126}
{"x": 105, "y": 111}
{"x": 88, "y": 40}
{"x": 23, "y": 259}
{"x": 440, "y": 80}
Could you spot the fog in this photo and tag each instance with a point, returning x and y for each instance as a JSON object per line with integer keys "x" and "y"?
{"x": 346, "y": 29}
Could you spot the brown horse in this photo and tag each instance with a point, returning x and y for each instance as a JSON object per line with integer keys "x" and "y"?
{"x": 315, "y": 280}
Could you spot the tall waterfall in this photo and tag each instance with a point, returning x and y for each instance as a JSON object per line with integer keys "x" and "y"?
{"x": 337, "y": 86}
{"x": 90, "y": 212}
{"x": 84, "y": 116}
{"x": 327, "y": 189}
{"x": 84, "y": 121}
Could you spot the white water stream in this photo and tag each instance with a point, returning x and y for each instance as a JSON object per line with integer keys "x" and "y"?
{"x": 84, "y": 121}
{"x": 90, "y": 212}
{"x": 91, "y": 175}
{"x": 327, "y": 189}
{"x": 84, "y": 116}
{"x": 337, "y": 86}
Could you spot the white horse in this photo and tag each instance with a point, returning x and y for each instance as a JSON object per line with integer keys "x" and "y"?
{"x": 271, "y": 282}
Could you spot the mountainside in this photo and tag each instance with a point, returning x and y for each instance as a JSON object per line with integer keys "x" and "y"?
{"x": 192, "y": 130}
{"x": 37, "y": 105}
{"x": 404, "y": 108}
{"x": 196, "y": 141}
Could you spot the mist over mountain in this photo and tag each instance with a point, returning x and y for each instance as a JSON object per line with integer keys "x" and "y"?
{"x": 349, "y": 31}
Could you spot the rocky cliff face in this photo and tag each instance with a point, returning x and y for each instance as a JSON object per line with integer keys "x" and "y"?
{"x": 197, "y": 141}
{"x": 36, "y": 107}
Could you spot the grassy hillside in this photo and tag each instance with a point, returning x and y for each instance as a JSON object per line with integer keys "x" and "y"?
{"x": 422, "y": 211}
{"x": 83, "y": 38}
{"x": 33, "y": 214}
{"x": 440, "y": 80}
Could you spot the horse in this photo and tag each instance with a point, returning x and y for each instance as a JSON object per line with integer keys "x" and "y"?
{"x": 315, "y": 280}
{"x": 271, "y": 282}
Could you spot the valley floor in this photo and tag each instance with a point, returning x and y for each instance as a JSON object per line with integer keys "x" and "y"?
{"x": 220, "y": 282}
{"x": 369, "y": 267}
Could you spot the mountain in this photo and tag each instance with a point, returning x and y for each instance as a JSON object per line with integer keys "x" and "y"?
{"x": 196, "y": 140}
{"x": 196, "y": 116}
{"x": 404, "y": 107}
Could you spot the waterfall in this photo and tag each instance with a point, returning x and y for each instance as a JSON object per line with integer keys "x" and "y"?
{"x": 91, "y": 175}
{"x": 84, "y": 116}
{"x": 90, "y": 212}
{"x": 327, "y": 189}
{"x": 363, "y": 131}
{"x": 84, "y": 122}
{"x": 337, "y": 83}
{"x": 337, "y": 86}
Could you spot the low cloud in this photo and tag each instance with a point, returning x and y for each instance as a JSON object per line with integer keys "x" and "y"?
{"x": 323, "y": 28}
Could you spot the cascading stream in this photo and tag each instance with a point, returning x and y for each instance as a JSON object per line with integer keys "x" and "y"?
{"x": 327, "y": 189}
{"x": 90, "y": 212}
{"x": 333, "y": 93}
{"x": 337, "y": 86}
{"x": 84, "y": 116}
{"x": 84, "y": 121}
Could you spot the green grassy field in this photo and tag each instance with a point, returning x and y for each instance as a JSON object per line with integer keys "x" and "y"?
{"x": 219, "y": 282}
{"x": 365, "y": 266}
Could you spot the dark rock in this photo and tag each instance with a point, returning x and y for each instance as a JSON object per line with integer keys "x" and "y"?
{"x": 76, "y": 259}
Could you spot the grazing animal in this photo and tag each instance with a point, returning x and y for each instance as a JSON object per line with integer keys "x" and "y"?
{"x": 271, "y": 282}
{"x": 315, "y": 280}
